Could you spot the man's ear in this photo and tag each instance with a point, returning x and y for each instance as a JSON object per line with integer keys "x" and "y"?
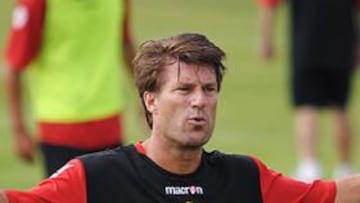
{"x": 150, "y": 101}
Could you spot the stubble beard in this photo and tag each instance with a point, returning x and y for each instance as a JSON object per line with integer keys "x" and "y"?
{"x": 193, "y": 142}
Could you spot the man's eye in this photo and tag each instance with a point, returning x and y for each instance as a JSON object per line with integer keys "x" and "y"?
{"x": 210, "y": 89}
{"x": 183, "y": 89}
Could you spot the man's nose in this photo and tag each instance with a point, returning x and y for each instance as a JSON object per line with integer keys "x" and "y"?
{"x": 198, "y": 99}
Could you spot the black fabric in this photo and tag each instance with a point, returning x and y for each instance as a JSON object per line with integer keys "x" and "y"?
{"x": 323, "y": 33}
{"x": 124, "y": 175}
{"x": 57, "y": 156}
{"x": 321, "y": 87}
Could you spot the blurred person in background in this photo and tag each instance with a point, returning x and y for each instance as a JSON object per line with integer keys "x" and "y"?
{"x": 71, "y": 54}
{"x": 323, "y": 47}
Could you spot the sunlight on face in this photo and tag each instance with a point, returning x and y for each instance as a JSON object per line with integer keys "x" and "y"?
{"x": 186, "y": 105}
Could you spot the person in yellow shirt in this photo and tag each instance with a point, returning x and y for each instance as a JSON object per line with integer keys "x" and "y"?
{"x": 72, "y": 55}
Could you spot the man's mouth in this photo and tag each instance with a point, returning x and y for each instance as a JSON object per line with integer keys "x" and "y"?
{"x": 197, "y": 120}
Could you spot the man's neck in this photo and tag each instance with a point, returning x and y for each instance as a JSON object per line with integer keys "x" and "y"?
{"x": 172, "y": 159}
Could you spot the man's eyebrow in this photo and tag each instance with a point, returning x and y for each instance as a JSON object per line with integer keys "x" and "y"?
{"x": 210, "y": 84}
{"x": 184, "y": 83}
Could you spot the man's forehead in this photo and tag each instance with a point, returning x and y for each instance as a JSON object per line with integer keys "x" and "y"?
{"x": 184, "y": 70}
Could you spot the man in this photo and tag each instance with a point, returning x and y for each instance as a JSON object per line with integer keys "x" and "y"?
{"x": 178, "y": 79}
{"x": 71, "y": 53}
{"x": 323, "y": 55}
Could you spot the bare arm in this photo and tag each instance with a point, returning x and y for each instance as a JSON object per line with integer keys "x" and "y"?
{"x": 128, "y": 46}
{"x": 23, "y": 141}
{"x": 348, "y": 190}
{"x": 357, "y": 51}
{"x": 129, "y": 54}
{"x": 266, "y": 22}
{"x": 3, "y": 198}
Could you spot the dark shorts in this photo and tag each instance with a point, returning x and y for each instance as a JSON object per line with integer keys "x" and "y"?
{"x": 56, "y": 156}
{"x": 321, "y": 87}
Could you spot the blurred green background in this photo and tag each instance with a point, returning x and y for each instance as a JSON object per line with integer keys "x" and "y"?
{"x": 254, "y": 113}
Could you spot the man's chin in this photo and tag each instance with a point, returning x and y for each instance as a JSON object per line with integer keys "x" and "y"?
{"x": 196, "y": 142}
{"x": 192, "y": 146}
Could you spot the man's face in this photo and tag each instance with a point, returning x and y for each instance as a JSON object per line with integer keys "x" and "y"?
{"x": 184, "y": 108}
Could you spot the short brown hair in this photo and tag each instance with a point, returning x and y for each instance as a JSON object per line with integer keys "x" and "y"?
{"x": 154, "y": 55}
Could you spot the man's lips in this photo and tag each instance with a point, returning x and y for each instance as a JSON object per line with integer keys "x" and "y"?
{"x": 197, "y": 120}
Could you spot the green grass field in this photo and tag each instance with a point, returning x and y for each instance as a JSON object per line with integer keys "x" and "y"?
{"x": 254, "y": 113}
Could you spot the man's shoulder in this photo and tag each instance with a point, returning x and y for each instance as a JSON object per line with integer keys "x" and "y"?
{"x": 234, "y": 160}
{"x": 102, "y": 159}
{"x": 241, "y": 171}
{"x": 218, "y": 155}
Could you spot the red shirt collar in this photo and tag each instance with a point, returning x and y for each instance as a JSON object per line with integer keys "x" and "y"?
{"x": 139, "y": 147}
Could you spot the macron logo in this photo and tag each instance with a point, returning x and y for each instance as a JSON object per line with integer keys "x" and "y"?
{"x": 189, "y": 190}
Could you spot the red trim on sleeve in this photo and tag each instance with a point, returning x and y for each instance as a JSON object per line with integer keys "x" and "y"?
{"x": 277, "y": 188}
{"x": 268, "y": 3}
{"x": 26, "y": 33}
{"x": 67, "y": 185}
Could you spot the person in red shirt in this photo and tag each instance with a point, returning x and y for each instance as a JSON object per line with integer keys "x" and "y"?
{"x": 323, "y": 49}
{"x": 178, "y": 79}
{"x": 78, "y": 131}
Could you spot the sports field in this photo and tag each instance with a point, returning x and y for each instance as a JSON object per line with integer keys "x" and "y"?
{"x": 254, "y": 112}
